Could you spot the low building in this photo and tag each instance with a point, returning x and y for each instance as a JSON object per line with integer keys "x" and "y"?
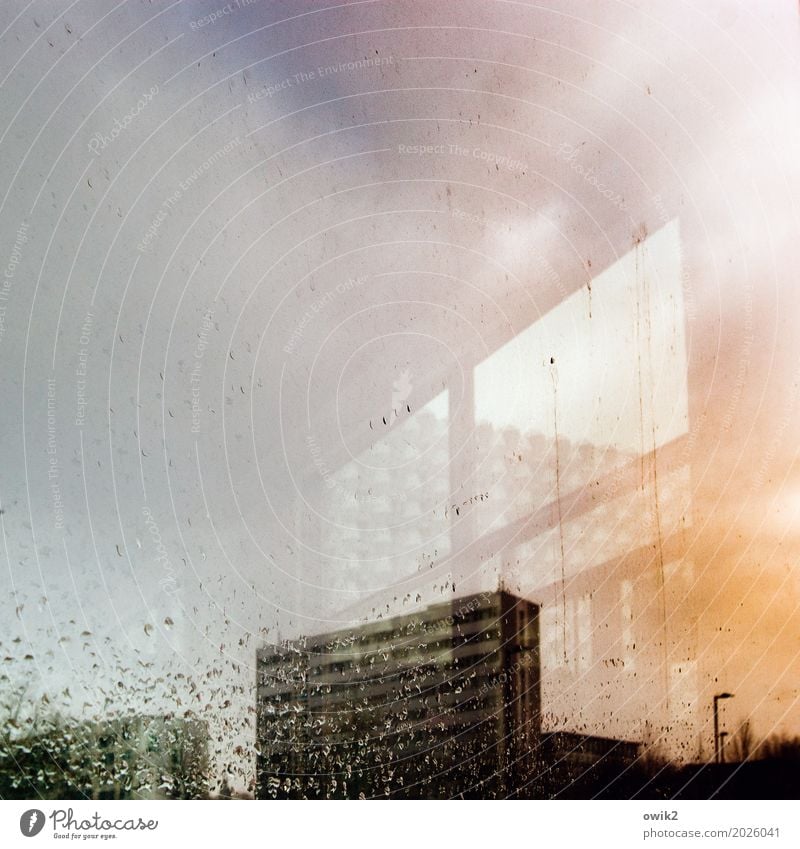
{"x": 132, "y": 757}
{"x": 585, "y": 765}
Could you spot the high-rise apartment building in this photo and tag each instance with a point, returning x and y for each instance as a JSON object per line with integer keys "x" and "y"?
{"x": 438, "y": 703}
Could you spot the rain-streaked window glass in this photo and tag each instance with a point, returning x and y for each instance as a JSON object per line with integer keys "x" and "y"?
{"x": 399, "y": 400}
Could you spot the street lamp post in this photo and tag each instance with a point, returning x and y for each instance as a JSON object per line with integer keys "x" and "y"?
{"x": 723, "y": 739}
{"x": 716, "y": 723}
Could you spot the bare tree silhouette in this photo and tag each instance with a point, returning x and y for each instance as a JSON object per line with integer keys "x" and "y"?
{"x": 780, "y": 747}
{"x": 743, "y": 747}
